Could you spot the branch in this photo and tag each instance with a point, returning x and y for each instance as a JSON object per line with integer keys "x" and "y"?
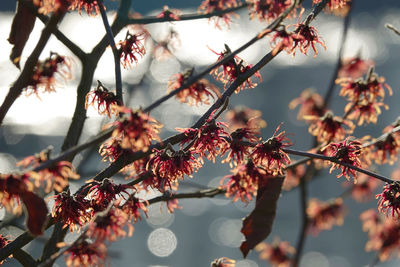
{"x": 76, "y": 50}
{"x": 332, "y": 83}
{"x": 335, "y": 160}
{"x": 154, "y": 19}
{"x": 26, "y": 74}
{"x": 24, "y": 258}
{"x": 118, "y": 79}
{"x": 212, "y": 192}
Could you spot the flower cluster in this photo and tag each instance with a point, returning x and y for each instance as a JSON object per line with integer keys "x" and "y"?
{"x": 228, "y": 72}
{"x": 279, "y": 253}
{"x": 384, "y": 234}
{"x": 347, "y": 153}
{"x": 102, "y": 98}
{"x": 267, "y": 10}
{"x": 199, "y": 92}
{"x": 86, "y": 253}
{"x": 270, "y": 155}
{"x": 328, "y": 128}
{"x": 305, "y": 37}
{"x": 243, "y": 117}
{"x": 310, "y": 102}
{"x": 334, "y": 4}
{"x": 136, "y": 130}
{"x": 389, "y": 199}
{"x": 323, "y": 215}
{"x": 131, "y": 48}
{"x": 365, "y": 96}
{"x": 46, "y": 74}
{"x": 210, "y": 6}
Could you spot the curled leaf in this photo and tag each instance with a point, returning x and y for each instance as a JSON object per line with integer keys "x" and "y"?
{"x": 21, "y": 28}
{"x": 258, "y": 225}
{"x": 36, "y": 210}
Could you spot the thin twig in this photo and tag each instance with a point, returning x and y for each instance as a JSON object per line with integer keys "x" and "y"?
{"x": 337, "y": 161}
{"x": 197, "y": 194}
{"x": 118, "y": 79}
{"x": 154, "y": 19}
{"x": 391, "y": 27}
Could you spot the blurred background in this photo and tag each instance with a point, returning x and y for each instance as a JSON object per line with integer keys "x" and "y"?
{"x": 205, "y": 229}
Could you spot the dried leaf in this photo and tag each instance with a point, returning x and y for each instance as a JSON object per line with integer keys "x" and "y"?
{"x": 258, "y": 225}
{"x": 36, "y": 210}
{"x": 21, "y": 28}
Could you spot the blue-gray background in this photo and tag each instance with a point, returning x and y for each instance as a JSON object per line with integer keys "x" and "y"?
{"x": 207, "y": 229}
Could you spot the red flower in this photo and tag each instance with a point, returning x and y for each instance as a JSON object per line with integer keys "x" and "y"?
{"x": 102, "y": 193}
{"x": 267, "y": 10}
{"x": 311, "y": 104}
{"x": 323, "y": 215}
{"x": 198, "y": 92}
{"x": 389, "y": 199}
{"x": 133, "y": 206}
{"x": 347, "y": 151}
{"x": 282, "y": 39}
{"x": 4, "y": 242}
{"x": 46, "y": 73}
{"x": 131, "y": 48}
{"x": 270, "y": 155}
{"x": 232, "y": 70}
{"x": 278, "y": 253}
{"x": 329, "y": 127}
{"x": 103, "y": 98}
{"x": 90, "y": 6}
{"x": 136, "y": 129}
{"x": 305, "y": 37}
{"x": 354, "y": 67}
{"x": 210, "y": 6}
{"x": 85, "y": 253}
{"x": 170, "y": 14}
{"x": 172, "y": 165}
{"x": 72, "y": 211}
{"x": 109, "y": 226}
{"x": 111, "y": 150}
{"x": 239, "y": 145}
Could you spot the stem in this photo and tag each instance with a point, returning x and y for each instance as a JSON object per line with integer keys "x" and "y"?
{"x": 391, "y": 27}
{"x": 154, "y": 19}
{"x": 118, "y": 79}
{"x": 332, "y": 83}
{"x": 24, "y": 258}
{"x": 198, "y": 194}
{"x": 337, "y": 161}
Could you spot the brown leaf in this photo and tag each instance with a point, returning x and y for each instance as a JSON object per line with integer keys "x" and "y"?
{"x": 21, "y": 28}
{"x": 258, "y": 225}
{"x": 37, "y": 211}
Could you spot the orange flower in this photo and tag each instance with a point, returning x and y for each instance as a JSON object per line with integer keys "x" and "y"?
{"x": 365, "y": 111}
{"x": 354, "y": 67}
{"x": 334, "y": 4}
{"x": 323, "y": 215}
{"x": 47, "y": 72}
{"x": 86, "y": 253}
{"x": 311, "y": 104}
{"x": 223, "y": 262}
{"x": 278, "y": 253}
{"x": 90, "y": 6}
{"x": 329, "y": 127}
